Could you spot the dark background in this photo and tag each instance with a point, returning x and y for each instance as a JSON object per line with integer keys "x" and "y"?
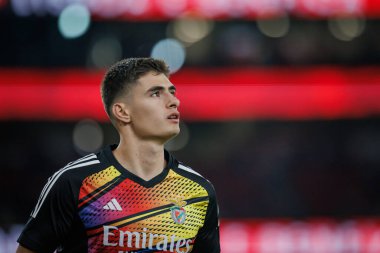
{"x": 260, "y": 168}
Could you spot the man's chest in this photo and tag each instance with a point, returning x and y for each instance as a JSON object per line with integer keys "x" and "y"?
{"x": 120, "y": 215}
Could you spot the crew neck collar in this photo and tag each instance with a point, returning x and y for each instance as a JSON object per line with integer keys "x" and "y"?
{"x": 170, "y": 163}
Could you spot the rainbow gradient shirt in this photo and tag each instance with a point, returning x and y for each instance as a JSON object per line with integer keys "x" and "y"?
{"x": 95, "y": 205}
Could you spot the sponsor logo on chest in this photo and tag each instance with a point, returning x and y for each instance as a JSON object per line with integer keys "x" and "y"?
{"x": 115, "y": 237}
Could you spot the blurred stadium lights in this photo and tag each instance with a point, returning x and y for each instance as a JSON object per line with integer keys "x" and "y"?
{"x": 242, "y": 76}
{"x": 312, "y": 236}
{"x": 258, "y": 93}
{"x": 87, "y": 136}
{"x": 112, "y": 9}
{"x": 242, "y": 45}
{"x": 21, "y": 8}
{"x": 277, "y": 236}
{"x": 172, "y": 8}
{"x": 181, "y": 140}
{"x": 235, "y": 237}
{"x": 346, "y": 29}
{"x": 104, "y": 52}
{"x": 171, "y": 51}
{"x": 168, "y": 9}
{"x": 74, "y": 21}
{"x": 3, "y": 3}
{"x": 274, "y": 28}
{"x": 189, "y": 30}
{"x": 9, "y": 237}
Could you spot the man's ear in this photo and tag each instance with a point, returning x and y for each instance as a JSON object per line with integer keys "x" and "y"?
{"x": 121, "y": 113}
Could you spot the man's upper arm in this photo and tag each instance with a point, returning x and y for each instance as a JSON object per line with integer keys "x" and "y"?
{"x": 51, "y": 219}
{"x": 207, "y": 239}
{"x": 21, "y": 249}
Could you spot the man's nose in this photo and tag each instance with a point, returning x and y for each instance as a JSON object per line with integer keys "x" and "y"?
{"x": 173, "y": 102}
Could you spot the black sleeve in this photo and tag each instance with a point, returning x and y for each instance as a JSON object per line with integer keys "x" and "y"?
{"x": 207, "y": 239}
{"x": 52, "y": 217}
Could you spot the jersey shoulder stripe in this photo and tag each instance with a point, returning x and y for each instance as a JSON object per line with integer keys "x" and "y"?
{"x": 196, "y": 177}
{"x": 85, "y": 158}
{"x": 82, "y": 162}
{"x": 188, "y": 169}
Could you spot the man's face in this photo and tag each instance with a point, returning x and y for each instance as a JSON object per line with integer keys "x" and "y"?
{"x": 153, "y": 108}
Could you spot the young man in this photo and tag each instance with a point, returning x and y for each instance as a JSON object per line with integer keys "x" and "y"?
{"x": 134, "y": 196}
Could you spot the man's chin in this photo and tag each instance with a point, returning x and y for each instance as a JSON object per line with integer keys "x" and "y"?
{"x": 172, "y": 134}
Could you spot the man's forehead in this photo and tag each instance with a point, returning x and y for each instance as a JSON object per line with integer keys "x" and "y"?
{"x": 153, "y": 79}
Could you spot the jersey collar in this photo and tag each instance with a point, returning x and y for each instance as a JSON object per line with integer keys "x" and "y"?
{"x": 170, "y": 161}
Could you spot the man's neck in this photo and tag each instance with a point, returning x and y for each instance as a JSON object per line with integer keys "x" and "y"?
{"x": 145, "y": 159}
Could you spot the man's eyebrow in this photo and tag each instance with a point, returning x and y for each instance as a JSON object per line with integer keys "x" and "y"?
{"x": 159, "y": 88}
{"x": 155, "y": 88}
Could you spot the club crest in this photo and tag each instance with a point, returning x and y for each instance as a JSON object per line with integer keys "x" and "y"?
{"x": 177, "y": 211}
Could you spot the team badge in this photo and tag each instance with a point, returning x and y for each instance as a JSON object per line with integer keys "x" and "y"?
{"x": 177, "y": 211}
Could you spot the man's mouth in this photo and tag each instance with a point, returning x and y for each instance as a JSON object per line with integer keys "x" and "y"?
{"x": 173, "y": 116}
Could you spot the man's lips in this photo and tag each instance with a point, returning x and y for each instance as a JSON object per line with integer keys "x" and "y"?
{"x": 174, "y": 116}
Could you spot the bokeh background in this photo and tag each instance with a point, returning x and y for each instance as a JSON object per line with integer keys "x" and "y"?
{"x": 280, "y": 106}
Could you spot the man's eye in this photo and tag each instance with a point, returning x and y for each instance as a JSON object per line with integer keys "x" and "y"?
{"x": 156, "y": 93}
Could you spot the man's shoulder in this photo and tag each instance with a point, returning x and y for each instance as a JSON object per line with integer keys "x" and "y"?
{"x": 78, "y": 168}
{"x": 84, "y": 161}
{"x": 187, "y": 169}
{"x": 195, "y": 176}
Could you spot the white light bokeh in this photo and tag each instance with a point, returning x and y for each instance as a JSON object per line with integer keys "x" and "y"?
{"x": 21, "y": 8}
{"x": 74, "y": 21}
{"x": 181, "y": 140}
{"x": 189, "y": 30}
{"x": 274, "y": 28}
{"x": 38, "y": 7}
{"x": 346, "y": 29}
{"x": 171, "y": 51}
{"x": 87, "y": 136}
{"x": 105, "y": 52}
{"x": 55, "y": 7}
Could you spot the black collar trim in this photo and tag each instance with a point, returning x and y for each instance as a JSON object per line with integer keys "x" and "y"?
{"x": 171, "y": 163}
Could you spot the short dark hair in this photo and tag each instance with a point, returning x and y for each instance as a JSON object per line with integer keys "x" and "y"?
{"x": 120, "y": 76}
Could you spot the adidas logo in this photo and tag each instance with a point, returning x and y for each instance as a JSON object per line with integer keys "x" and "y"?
{"x": 113, "y": 205}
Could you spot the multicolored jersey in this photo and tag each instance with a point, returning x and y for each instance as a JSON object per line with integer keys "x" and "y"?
{"x": 95, "y": 205}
